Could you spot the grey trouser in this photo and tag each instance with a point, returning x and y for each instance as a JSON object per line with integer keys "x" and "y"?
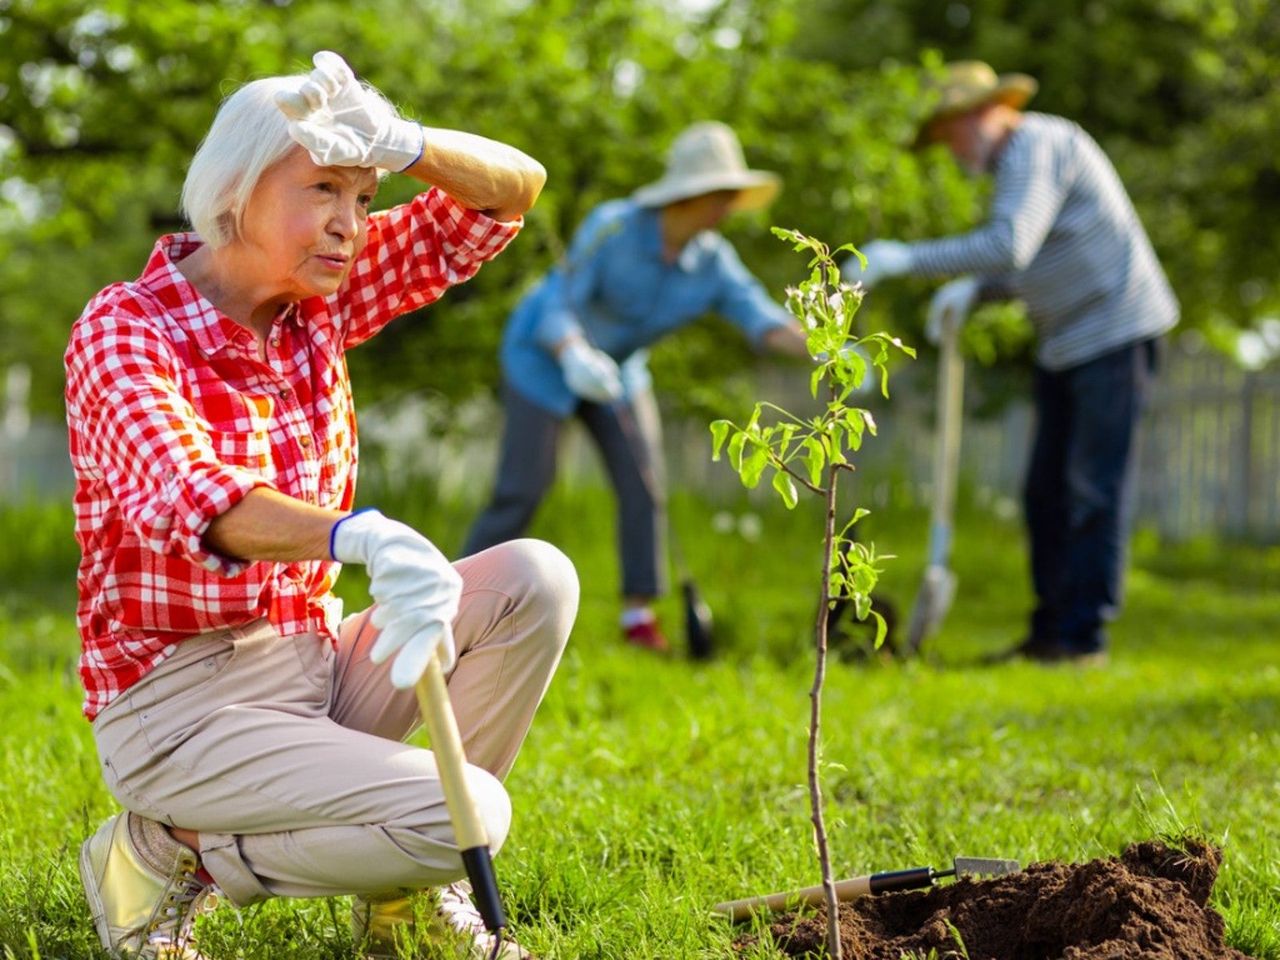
{"x": 285, "y": 754}
{"x": 630, "y": 441}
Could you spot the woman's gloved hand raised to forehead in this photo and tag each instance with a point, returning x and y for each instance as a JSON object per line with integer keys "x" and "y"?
{"x": 343, "y": 124}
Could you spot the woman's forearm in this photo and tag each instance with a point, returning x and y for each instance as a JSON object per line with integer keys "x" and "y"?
{"x": 268, "y": 525}
{"x": 479, "y": 173}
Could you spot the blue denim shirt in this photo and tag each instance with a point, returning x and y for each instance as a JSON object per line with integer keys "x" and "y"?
{"x": 615, "y": 289}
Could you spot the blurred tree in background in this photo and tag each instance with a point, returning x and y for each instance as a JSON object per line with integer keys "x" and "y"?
{"x": 103, "y": 103}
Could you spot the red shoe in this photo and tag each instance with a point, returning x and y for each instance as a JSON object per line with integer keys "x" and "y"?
{"x": 646, "y": 635}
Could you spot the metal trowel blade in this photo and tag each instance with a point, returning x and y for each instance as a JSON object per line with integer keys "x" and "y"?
{"x": 984, "y": 866}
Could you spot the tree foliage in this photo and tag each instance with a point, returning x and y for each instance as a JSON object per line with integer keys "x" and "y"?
{"x": 103, "y": 103}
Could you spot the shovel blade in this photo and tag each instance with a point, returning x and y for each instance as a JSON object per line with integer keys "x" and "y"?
{"x": 985, "y": 867}
{"x": 697, "y": 622}
{"x": 933, "y": 601}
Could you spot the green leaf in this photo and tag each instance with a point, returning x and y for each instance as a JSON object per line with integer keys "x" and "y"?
{"x": 735, "y": 450}
{"x": 835, "y": 584}
{"x": 861, "y": 604}
{"x": 882, "y": 629}
{"x": 815, "y": 379}
{"x": 814, "y": 460}
{"x": 786, "y": 488}
{"x": 858, "y": 514}
{"x": 719, "y": 432}
{"x": 753, "y": 464}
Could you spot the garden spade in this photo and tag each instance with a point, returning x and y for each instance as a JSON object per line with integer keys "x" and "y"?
{"x": 938, "y": 587}
{"x": 469, "y": 831}
{"x": 913, "y": 879}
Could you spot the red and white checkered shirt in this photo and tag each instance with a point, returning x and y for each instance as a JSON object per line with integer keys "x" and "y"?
{"x": 174, "y": 418}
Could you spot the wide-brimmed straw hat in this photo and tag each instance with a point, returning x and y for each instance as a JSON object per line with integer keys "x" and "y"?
{"x": 969, "y": 84}
{"x": 705, "y": 158}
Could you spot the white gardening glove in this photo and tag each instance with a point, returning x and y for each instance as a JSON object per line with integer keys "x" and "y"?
{"x": 414, "y": 586}
{"x": 885, "y": 258}
{"x": 951, "y": 304}
{"x": 634, "y": 371}
{"x": 342, "y": 124}
{"x": 590, "y": 373}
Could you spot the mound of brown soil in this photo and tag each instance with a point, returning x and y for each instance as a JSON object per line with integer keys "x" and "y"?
{"x": 1149, "y": 904}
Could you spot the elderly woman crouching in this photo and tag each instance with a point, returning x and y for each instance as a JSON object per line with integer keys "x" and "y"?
{"x": 252, "y": 735}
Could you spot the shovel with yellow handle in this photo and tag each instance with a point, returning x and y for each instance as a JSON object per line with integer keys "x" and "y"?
{"x": 913, "y": 879}
{"x": 472, "y": 840}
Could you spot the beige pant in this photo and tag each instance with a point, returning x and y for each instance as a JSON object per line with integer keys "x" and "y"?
{"x": 285, "y": 754}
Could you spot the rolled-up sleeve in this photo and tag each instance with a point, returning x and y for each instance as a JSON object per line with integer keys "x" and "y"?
{"x": 575, "y": 281}
{"x": 133, "y": 428}
{"x": 414, "y": 253}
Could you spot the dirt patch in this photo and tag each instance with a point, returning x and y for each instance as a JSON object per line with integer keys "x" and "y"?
{"x": 1151, "y": 903}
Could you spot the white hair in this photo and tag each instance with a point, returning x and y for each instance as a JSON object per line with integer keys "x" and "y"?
{"x": 248, "y": 136}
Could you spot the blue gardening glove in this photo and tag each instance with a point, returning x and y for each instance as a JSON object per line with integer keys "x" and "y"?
{"x": 344, "y": 125}
{"x": 885, "y": 258}
{"x": 414, "y": 586}
{"x": 951, "y": 305}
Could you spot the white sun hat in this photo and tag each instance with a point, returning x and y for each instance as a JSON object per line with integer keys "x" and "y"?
{"x": 705, "y": 158}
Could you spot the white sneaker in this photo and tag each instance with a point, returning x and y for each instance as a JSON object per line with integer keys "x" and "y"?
{"x": 456, "y": 908}
{"x": 386, "y": 929}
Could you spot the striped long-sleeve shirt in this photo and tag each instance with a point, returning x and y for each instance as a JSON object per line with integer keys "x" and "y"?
{"x": 1063, "y": 237}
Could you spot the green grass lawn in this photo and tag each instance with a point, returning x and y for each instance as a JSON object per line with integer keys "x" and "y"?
{"x": 650, "y": 789}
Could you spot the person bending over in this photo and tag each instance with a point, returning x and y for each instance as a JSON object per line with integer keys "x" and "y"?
{"x": 638, "y": 269}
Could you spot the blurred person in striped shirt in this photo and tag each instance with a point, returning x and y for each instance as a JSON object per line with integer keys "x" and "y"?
{"x": 253, "y": 735}
{"x": 1062, "y": 236}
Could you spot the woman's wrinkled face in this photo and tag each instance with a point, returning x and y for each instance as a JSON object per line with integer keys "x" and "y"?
{"x": 304, "y": 225}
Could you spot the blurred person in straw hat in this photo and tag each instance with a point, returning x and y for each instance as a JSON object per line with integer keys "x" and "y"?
{"x": 638, "y": 269}
{"x": 1063, "y": 237}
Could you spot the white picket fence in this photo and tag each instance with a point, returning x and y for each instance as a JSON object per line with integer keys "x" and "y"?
{"x": 1209, "y": 457}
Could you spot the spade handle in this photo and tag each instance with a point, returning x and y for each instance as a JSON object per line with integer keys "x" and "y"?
{"x": 469, "y": 832}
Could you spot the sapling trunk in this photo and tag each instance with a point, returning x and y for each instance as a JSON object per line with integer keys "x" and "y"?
{"x": 815, "y": 729}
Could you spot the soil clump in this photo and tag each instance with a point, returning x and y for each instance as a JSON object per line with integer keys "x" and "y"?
{"x": 1150, "y": 903}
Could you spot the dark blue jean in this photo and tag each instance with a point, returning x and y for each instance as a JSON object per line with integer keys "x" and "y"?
{"x": 629, "y": 436}
{"x": 1079, "y": 490}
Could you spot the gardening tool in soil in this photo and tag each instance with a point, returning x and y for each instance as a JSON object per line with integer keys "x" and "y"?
{"x": 469, "y": 832}
{"x": 915, "y": 878}
{"x": 938, "y": 587}
{"x": 698, "y": 621}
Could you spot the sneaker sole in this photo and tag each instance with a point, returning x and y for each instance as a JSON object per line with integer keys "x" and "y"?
{"x": 97, "y": 909}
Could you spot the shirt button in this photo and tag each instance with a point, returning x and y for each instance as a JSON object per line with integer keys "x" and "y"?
{"x": 284, "y": 392}
{"x": 275, "y": 341}
{"x": 304, "y": 441}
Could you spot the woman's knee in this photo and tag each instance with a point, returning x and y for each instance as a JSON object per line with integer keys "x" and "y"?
{"x": 493, "y": 805}
{"x": 430, "y": 857}
{"x": 543, "y": 578}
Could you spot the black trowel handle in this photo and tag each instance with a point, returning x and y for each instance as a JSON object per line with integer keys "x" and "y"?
{"x": 912, "y": 879}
